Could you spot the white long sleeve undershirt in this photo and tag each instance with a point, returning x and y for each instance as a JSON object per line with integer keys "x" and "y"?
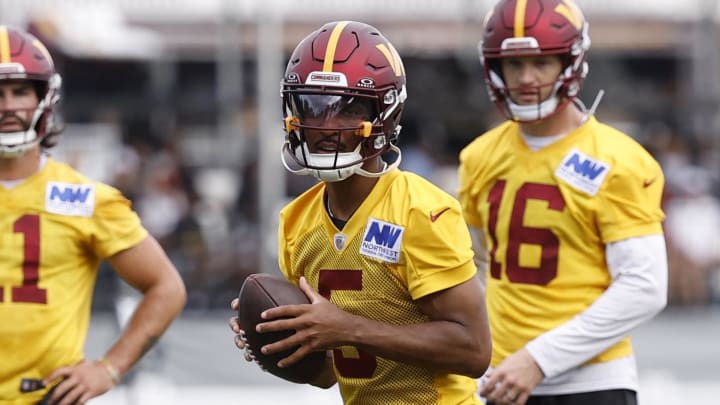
{"x": 638, "y": 267}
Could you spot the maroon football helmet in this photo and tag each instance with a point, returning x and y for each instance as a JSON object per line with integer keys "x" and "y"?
{"x": 345, "y": 68}
{"x": 529, "y": 28}
{"x": 24, "y": 57}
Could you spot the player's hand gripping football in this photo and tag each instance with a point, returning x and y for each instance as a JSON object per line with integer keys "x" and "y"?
{"x": 80, "y": 383}
{"x": 240, "y": 340}
{"x": 512, "y": 381}
{"x": 319, "y": 326}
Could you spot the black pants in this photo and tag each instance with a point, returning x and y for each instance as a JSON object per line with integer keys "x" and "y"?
{"x": 609, "y": 397}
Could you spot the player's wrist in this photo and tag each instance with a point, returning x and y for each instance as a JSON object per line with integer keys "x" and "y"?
{"x": 112, "y": 371}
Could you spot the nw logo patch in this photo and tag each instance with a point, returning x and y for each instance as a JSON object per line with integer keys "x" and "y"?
{"x": 582, "y": 171}
{"x": 382, "y": 240}
{"x": 77, "y": 200}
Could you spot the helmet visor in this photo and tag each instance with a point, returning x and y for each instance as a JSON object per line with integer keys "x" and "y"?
{"x": 346, "y": 110}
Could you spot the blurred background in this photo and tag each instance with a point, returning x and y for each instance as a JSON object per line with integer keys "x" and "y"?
{"x": 176, "y": 103}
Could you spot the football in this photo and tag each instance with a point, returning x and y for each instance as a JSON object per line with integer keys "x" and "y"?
{"x": 258, "y": 293}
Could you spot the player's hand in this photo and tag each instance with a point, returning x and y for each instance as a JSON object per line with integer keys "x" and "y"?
{"x": 512, "y": 381}
{"x": 319, "y": 326}
{"x": 240, "y": 340}
{"x": 80, "y": 383}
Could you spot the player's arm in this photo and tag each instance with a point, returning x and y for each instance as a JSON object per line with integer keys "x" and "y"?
{"x": 456, "y": 339}
{"x": 637, "y": 293}
{"x": 147, "y": 268}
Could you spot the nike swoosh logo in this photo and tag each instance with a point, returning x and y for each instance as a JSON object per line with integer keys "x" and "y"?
{"x": 647, "y": 183}
{"x": 434, "y": 217}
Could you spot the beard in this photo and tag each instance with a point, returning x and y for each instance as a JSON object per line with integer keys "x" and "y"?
{"x": 12, "y": 118}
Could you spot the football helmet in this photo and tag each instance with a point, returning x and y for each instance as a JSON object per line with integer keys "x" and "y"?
{"x": 349, "y": 73}
{"x": 529, "y": 28}
{"x": 24, "y": 57}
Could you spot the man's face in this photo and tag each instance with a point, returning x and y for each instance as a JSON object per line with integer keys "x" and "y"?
{"x": 18, "y": 101}
{"x": 530, "y": 79}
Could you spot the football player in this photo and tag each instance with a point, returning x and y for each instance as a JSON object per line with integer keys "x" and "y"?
{"x": 566, "y": 216}
{"x": 56, "y": 225}
{"x": 384, "y": 256}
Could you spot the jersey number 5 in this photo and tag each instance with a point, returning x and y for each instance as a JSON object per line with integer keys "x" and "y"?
{"x": 519, "y": 234}
{"x": 29, "y": 226}
{"x": 350, "y": 367}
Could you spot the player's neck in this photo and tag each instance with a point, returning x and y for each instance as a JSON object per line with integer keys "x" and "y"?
{"x": 345, "y": 197}
{"x": 565, "y": 121}
{"x": 20, "y": 167}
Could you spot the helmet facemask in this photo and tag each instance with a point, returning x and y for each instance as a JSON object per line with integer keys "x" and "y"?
{"x": 26, "y": 58}
{"x": 348, "y": 113}
{"x": 555, "y": 30}
{"x": 41, "y": 124}
{"x": 342, "y": 81}
{"x": 564, "y": 89}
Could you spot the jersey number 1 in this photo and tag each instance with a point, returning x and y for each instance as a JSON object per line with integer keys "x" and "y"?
{"x": 29, "y": 226}
{"x": 519, "y": 234}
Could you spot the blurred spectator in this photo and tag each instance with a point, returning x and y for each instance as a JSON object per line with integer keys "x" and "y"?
{"x": 693, "y": 232}
{"x": 166, "y": 200}
{"x": 693, "y": 221}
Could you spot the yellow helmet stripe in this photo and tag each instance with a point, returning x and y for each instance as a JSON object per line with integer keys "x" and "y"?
{"x": 519, "y": 25}
{"x": 4, "y": 45}
{"x": 332, "y": 46}
{"x": 392, "y": 57}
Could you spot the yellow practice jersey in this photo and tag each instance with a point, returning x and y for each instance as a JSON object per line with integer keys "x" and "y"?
{"x": 547, "y": 216}
{"x": 407, "y": 240}
{"x": 55, "y": 227}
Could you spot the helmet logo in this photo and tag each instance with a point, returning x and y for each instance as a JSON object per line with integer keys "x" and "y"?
{"x": 392, "y": 57}
{"x": 324, "y": 77}
{"x": 366, "y": 83}
{"x": 327, "y": 79}
{"x": 12, "y": 67}
{"x": 570, "y": 10}
{"x": 293, "y": 78}
{"x": 44, "y": 51}
{"x": 523, "y": 43}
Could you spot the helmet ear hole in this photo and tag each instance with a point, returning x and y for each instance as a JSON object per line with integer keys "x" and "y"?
{"x": 379, "y": 142}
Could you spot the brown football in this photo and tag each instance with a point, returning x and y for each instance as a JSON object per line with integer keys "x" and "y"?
{"x": 258, "y": 293}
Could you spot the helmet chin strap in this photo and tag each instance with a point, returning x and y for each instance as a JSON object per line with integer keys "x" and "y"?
{"x": 14, "y": 144}
{"x": 328, "y": 159}
{"x": 533, "y": 112}
{"x": 290, "y": 159}
{"x": 387, "y": 167}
